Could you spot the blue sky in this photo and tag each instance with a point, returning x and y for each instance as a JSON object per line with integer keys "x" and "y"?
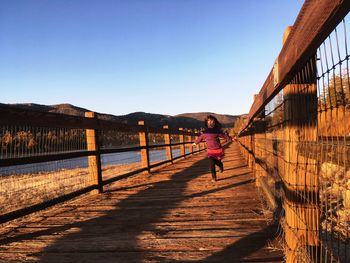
{"x": 158, "y": 56}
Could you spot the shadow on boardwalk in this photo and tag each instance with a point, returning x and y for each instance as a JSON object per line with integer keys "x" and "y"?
{"x": 124, "y": 229}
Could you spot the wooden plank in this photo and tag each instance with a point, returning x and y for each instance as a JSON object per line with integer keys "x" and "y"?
{"x": 167, "y": 216}
{"x": 131, "y": 256}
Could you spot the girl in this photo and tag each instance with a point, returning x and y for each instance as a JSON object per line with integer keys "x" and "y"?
{"x": 214, "y": 150}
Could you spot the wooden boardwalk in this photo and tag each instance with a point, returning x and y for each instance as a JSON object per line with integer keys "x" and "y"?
{"x": 175, "y": 214}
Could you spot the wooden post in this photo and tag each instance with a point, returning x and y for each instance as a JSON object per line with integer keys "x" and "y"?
{"x": 302, "y": 216}
{"x": 167, "y": 140}
{"x": 250, "y": 157}
{"x": 143, "y": 136}
{"x": 286, "y": 33}
{"x": 260, "y": 149}
{"x": 189, "y": 139}
{"x": 199, "y": 144}
{"x": 94, "y": 161}
{"x": 182, "y": 140}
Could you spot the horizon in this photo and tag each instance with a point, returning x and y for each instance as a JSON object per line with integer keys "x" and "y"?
{"x": 163, "y": 57}
{"x": 184, "y": 113}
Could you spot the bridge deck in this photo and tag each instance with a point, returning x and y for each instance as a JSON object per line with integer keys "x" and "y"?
{"x": 175, "y": 214}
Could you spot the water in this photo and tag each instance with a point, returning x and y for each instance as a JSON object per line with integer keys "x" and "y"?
{"x": 82, "y": 162}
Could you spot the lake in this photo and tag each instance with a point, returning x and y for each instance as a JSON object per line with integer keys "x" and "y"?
{"x": 82, "y": 162}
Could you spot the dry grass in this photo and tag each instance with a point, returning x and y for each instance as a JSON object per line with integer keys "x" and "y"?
{"x": 334, "y": 122}
{"x": 20, "y": 191}
{"x": 335, "y": 198}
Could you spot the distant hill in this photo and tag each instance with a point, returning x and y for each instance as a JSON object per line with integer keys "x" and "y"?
{"x": 186, "y": 120}
{"x": 226, "y": 120}
{"x": 59, "y": 108}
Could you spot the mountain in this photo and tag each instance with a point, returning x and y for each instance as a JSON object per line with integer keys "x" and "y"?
{"x": 226, "y": 120}
{"x": 186, "y": 120}
{"x": 59, "y": 108}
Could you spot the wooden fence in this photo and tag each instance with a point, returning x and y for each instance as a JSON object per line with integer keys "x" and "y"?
{"x": 296, "y": 137}
{"x": 48, "y": 158}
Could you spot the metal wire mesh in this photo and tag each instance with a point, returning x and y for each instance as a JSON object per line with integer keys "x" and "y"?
{"x": 176, "y": 152}
{"x": 25, "y": 185}
{"x": 333, "y": 131}
{"x": 23, "y": 141}
{"x": 301, "y": 144}
{"x": 118, "y": 139}
{"x": 28, "y": 185}
{"x": 116, "y": 164}
{"x": 41, "y": 166}
{"x": 158, "y": 154}
{"x": 156, "y": 138}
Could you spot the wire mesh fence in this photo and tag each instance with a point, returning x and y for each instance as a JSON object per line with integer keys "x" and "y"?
{"x": 112, "y": 138}
{"x": 24, "y": 141}
{"x": 44, "y": 165}
{"x": 176, "y": 151}
{"x": 157, "y": 154}
{"x": 118, "y": 163}
{"x": 333, "y": 141}
{"x": 29, "y": 184}
{"x": 300, "y": 144}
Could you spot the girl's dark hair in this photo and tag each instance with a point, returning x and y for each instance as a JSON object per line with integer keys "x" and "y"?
{"x": 217, "y": 123}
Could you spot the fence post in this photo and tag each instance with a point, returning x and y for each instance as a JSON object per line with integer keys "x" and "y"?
{"x": 143, "y": 136}
{"x": 199, "y": 144}
{"x": 260, "y": 149}
{"x": 189, "y": 138}
{"x": 94, "y": 162}
{"x": 300, "y": 175}
{"x": 167, "y": 140}
{"x": 250, "y": 156}
{"x": 182, "y": 140}
{"x": 302, "y": 215}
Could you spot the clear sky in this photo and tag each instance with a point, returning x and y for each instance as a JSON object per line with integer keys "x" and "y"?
{"x": 158, "y": 56}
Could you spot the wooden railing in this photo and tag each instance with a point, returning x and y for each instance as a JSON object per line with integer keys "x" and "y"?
{"x": 296, "y": 138}
{"x": 48, "y": 158}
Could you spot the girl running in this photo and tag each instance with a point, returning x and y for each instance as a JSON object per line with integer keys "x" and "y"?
{"x": 211, "y": 136}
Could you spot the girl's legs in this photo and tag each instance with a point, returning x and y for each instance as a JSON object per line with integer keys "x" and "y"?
{"x": 212, "y": 167}
{"x": 220, "y": 164}
{"x": 214, "y": 162}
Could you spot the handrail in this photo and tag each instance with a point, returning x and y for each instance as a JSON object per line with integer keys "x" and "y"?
{"x": 296, "y": 138}
{"x": 314, "y": 23}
